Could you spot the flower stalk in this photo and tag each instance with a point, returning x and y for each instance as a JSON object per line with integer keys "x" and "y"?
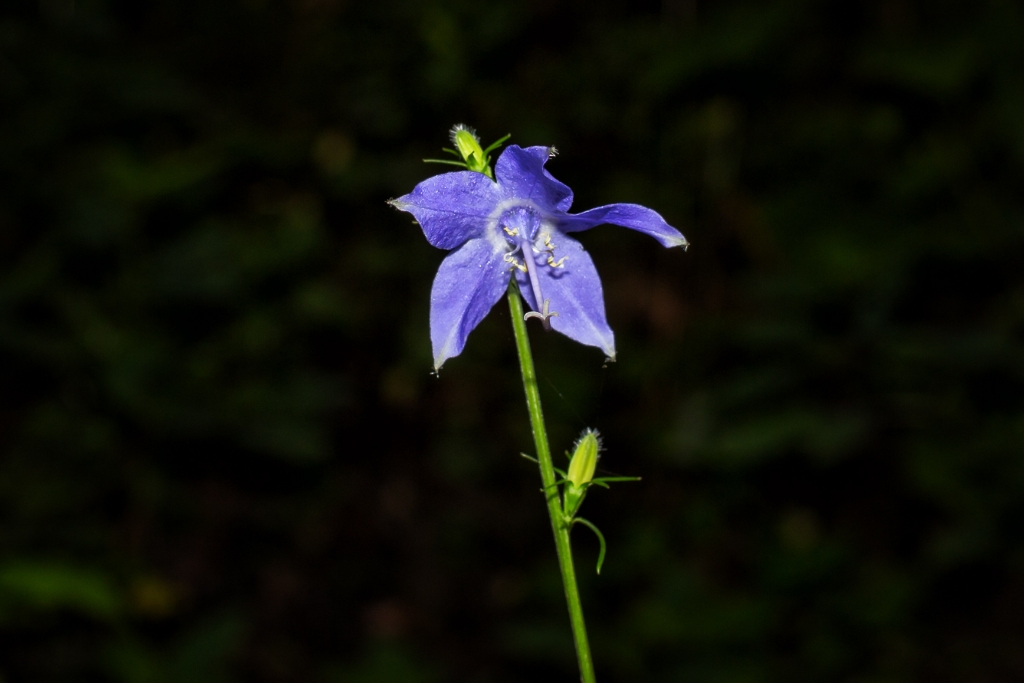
{"x": 547, "y": 475}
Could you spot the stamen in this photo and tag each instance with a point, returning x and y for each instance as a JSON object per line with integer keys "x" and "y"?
{"x": 511, "y": 233}
{"x": 509, "y": 258}
{"x": 556, "y": 264}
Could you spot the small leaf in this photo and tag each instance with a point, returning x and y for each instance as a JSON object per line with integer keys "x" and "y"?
{"x": 496, "y": 144}
{"x": 603, "y": 479}
{"x": 445, "y": 161}
{"x": 600, "y": 538}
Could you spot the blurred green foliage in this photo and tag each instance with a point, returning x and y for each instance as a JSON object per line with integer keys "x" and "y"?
{"x": 224, "y": 457}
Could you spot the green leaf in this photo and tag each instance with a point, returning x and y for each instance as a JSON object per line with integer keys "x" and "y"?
{"x": 600, "y": 538}
{"x": 44, "y": 586}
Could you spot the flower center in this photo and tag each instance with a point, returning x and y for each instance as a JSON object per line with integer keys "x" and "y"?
{"x": 518, "y": 223}
{"x": 529, "y": 239}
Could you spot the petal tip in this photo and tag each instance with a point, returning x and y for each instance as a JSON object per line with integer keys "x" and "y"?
{"x": 442, "y": 356}
{"x": 610, "y": 353}
{"x": 440, "y": 360}
{"x": 677, "y": 242}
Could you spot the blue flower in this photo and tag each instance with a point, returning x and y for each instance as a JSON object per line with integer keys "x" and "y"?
{"x": 517, "y": 226}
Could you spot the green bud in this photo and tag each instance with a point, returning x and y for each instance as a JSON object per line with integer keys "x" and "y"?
{"x": 465, "y": 140}
{"x": 584, "y": 458}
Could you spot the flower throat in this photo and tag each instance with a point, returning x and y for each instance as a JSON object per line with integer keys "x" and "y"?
{"x": 526, "y": 235}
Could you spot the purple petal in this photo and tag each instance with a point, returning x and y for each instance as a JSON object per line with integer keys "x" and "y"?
{"x": 451, "y": 207}
{"x": 521, "y": 175}
{"x": 632, "y": 216}
{"x": 573, "y": 292}
{"x": 469, "y": 282}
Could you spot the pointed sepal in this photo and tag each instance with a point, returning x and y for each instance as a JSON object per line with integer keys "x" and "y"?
{"x": 600, "y": 538}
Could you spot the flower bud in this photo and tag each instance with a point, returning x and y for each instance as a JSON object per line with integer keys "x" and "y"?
{"x": 465, "y": 140}
{"x": 584, "y": 458}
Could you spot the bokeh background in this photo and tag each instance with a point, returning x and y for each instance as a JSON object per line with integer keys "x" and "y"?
{"x": 225, "y": 457}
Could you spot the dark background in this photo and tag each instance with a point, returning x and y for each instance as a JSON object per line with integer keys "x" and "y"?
{"x": 225, "y": 457}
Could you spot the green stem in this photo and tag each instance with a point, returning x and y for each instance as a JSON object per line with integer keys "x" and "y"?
{"x": 547, "y": 475}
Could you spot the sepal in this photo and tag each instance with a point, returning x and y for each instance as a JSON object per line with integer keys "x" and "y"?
{"x": 467, "y": 147}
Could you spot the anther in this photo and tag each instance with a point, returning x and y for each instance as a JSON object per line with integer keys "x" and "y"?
{"x": 509, "y": 258}
{"x": 556, "y": 264}
{"x": 511, "y": 233}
